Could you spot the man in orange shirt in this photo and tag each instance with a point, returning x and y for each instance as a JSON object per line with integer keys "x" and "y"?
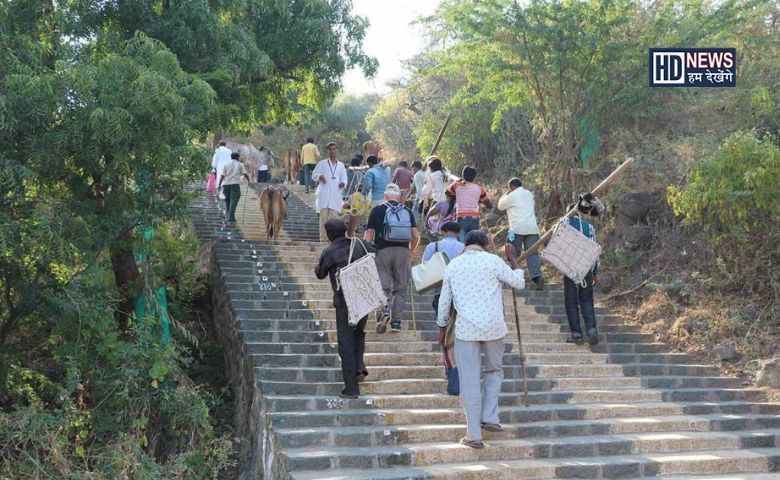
{"x": 468, "y": 197}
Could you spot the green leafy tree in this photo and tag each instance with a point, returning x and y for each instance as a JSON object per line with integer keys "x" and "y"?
{"x": 734, "y": 194}
{"x": 270, "y": 61}
{"x": 572, "y": 65}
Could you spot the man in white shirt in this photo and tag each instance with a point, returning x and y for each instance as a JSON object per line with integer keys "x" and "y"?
{"x": 220, "y": 159}
{"x": 332, "y": 177}
{"x": 418, "y": 184}
{"x": 472, "y": 283}
{"x": 230, "y": 183}
{"x": 523, "y": 230}
{"x": 264, "y": 160}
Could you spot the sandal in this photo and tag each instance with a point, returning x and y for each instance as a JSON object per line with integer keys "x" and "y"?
{"x": 350, "y": 396}
{"x": 472, "y": 443}
{"x": 492, "y": 427}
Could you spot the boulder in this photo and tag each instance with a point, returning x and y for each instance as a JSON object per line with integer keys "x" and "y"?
{"x": 635, "y": 206}
{"x": 638, "y": 237}
{"x": 606, "y": 282}
{"x": 769, "y": 373}
{"x": 726, "y": 352}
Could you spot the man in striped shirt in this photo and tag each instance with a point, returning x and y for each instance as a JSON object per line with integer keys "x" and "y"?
{"x": 468, "y": 197}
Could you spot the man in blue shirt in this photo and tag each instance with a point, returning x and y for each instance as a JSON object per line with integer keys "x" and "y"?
{"x": 579, "y": 298}
{"x": 452, "y": 247}
{"x": 375, "y": 181}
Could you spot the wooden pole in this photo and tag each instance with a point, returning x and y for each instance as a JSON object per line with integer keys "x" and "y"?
{"x": 520, "y": 350}
{"x": 441, "y": 134}
{"x": 433, "y": 152}
{"x": 596, "y": 191}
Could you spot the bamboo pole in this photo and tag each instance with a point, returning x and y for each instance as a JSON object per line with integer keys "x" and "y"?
{"x": 441, "y": 134}
{"x": 596, "y": 191}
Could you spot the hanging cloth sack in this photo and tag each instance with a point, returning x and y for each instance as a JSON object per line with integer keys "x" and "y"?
{"x": 212, "y": 183}
{"x": 360, "y": 284}
{"x": 430, "y": 274}
{"x": 571, "y": 252}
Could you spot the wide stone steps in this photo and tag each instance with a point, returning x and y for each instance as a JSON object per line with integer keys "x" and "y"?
{"x": 650, "y": 412}
{"x": 628, "y": 407}
{"x": 726, "y": 398}
{"x": 394, "y": 435}
{"x": 427, "y": 385}
{"x": 425, "y": 454}
{"x": 436, "y": 358}
{"x": 330, "y": 374}
{"x": 716, "y": 462}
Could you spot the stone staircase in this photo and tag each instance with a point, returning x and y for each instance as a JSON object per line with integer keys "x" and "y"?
{"x": 626, "y": 408}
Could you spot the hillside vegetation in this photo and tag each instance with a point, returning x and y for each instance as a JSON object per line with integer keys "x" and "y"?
{"x": 106, "y": 112}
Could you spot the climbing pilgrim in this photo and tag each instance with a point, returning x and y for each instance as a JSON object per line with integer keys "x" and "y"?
{"x": 472, "y": 284}
{"x": 392, "y": 229}
{"x": 578, "y": 296}
{"x": 523, "y": 232}
{"x": 468, "y": 197}
{"x": 220, "y": 158}
{"x": 230, "y": 183}
{"x": 331, "y": 176}
{"x": 351, "y": 340}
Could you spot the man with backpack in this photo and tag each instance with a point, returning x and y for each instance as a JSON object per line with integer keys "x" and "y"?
{"x": 391, "y": 227}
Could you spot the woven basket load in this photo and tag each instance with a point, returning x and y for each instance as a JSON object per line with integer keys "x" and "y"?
{"x": 571, "y": 252}
{"x": 359, "y": 282}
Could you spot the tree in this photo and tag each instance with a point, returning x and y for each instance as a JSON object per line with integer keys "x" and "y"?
{"x": 571, "y": 65}
{"x": 270, "y": 61}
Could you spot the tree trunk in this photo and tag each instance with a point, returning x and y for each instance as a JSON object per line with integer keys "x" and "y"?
{"x": 216, "y": 139}
{"x": 555, "y": 208}
{"x": 126, "y": 276}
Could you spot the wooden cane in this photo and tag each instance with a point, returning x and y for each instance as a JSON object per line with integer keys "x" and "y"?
{"x": 601, "y": 186}
{"x": 526, "y": 401}
{"x": 414, "y": 315}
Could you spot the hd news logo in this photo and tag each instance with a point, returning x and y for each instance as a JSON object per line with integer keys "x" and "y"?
{"x": 693, "y": 67}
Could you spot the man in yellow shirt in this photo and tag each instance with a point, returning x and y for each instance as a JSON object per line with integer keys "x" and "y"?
{"x": 310, "y": 155}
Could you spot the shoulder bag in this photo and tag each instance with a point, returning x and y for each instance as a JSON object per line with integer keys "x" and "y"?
{"x": 430, "y": 274}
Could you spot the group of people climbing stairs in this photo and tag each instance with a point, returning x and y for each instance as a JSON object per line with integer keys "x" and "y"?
{"x": 628, "y": 407}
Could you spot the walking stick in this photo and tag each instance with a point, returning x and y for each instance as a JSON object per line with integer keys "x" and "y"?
{"x": 414, "y": 315}
{"x": 243, "y": 207}
{"x": 601, "y": 186}
{"x": 526, "y": 401}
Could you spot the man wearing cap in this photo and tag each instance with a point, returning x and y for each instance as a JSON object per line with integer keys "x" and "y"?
{"x": 391, "y": 227}
{"x": 579, "y": 298}
{"x": 332, "y": 177}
